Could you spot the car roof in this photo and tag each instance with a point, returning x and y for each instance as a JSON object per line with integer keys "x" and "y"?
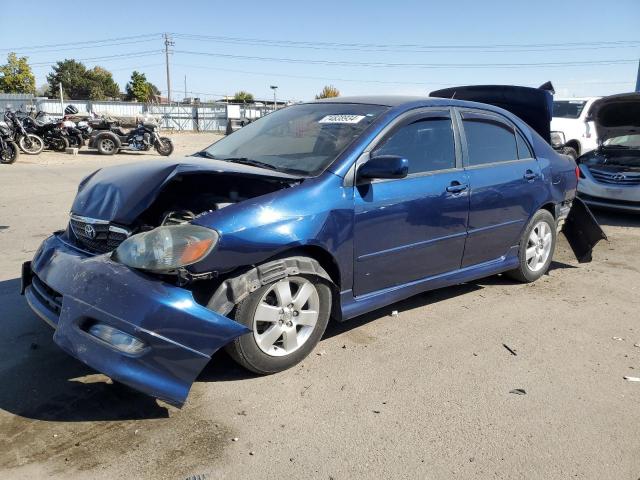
{"x": 408, "y": 101}
{"x": 568, "y": 99}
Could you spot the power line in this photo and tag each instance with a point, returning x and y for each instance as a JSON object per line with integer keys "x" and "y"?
{"x": 144, "y": 53}
{"x": 491, "y": 48}
{"x": 82, "y": 43}
{"x": 410, "y": 65}
{"x": 81, "y": 47}
{"x": 359, "y": 80}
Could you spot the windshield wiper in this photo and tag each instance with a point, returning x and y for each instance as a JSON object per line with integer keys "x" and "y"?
{"x": 249, "y": 161}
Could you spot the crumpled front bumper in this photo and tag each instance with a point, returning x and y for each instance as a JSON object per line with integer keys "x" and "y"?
{"x": 72, "y": 290}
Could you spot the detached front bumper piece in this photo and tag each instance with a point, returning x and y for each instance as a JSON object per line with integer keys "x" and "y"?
{"x": 174, "y": 336}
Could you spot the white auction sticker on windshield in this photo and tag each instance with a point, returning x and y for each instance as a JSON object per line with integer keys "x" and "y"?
{"x": 341, "y": 119}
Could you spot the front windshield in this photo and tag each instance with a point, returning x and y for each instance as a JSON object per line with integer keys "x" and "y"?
{"x": 627, "y": 141}
{"x": 302, "y": 139}
{"x": 568, "y": 108}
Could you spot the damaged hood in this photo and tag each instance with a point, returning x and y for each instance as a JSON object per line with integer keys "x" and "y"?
{"x": 616, "y": 115}
{"x": 121, "y": 193}
{"x": 533, "y": 105}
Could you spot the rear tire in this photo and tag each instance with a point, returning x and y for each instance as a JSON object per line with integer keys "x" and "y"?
{"x": 9, "y": 154}
{"x": 537, "y": 245}
{"x": 106, "y": 145}
{"x": 76, "y": 141}
{"x": 31, "y": 144}
{"x": 59, "y": 144}
{"x": 285, "y": 326}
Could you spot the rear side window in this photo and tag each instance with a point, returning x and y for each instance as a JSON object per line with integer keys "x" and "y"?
{"x": 488, "y": 140}
{"x": 524, "y": 151}
{"x": 427, "y": 143}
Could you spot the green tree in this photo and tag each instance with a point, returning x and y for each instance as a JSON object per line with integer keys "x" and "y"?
{"x": 16, "y": 76}
{"x": 329, "y": 91}
{"x": 102, "y": 86}
{"x": 139, "y": 89}
{"x": 243, "y": 97}
{"x": 82, "y": 84}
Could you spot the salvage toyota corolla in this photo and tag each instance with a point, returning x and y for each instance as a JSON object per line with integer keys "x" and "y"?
{"x": 324, "y": 209}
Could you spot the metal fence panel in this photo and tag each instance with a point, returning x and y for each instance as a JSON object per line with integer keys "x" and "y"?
{"x": 199, "y": 117}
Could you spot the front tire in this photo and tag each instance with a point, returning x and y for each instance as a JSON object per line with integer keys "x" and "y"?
{"x": 31, "y": 144}
{"x": 164, "y": 147}
{"x": 9, "y": 154}
{"x": 287, "y": 319}
{"x": 570, "y": 151}
{"x": 536, "y": 248}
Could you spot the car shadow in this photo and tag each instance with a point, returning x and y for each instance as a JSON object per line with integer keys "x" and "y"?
{"x": 612, "y": 218}
{"x": 40, "y": 381}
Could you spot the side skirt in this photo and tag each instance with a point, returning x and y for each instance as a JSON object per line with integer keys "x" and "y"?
{"x": 354, "y": 306}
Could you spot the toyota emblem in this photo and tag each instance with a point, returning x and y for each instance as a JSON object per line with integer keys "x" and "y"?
{"x": 89, "y": 231}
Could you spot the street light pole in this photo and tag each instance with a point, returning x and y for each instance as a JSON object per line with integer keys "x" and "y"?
{"x": 274, "y": 88}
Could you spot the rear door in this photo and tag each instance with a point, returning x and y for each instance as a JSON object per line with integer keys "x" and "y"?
{"x": 505, "y": 184}
{"x": 412, "y": 228}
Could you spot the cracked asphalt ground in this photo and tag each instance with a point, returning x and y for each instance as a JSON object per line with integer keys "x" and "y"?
{"x": 424, "y": 394}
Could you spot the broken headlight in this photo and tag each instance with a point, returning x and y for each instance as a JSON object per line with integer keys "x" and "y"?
{"x": 167, "y": 248}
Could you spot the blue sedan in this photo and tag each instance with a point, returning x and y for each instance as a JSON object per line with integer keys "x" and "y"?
{"x": 321, "y": 210}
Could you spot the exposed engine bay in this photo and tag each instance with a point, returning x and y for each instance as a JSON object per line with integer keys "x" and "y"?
{"x": 187, "y": 196}
{"x": 178, "y": 199}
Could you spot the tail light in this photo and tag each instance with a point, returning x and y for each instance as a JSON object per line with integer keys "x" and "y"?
{"x": 579, "y": 173}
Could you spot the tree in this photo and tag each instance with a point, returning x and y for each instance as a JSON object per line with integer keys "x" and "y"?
{"x": 329, "y": 91}
{"x": 102, "y": 86}
{"x": 82, "y": 84}
{"x": 139, "y": 89}
{"x": 243, "y": 97}
{"x": 16, "y": 76}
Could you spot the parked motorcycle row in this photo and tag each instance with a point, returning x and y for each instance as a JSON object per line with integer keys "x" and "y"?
{"x": 32, "y": 133}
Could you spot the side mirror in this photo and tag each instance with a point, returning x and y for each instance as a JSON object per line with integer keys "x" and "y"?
{"x": 384, "y": 166}
{"x": 557, "y": 139}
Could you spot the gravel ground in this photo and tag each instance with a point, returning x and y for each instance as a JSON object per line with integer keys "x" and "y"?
{"x": 424, "y": 394}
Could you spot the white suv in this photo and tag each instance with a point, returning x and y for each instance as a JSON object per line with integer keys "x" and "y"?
{"x": 569, "y": 123}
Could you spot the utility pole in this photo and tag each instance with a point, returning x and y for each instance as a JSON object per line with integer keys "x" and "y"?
{"x": 638, "y": 80}
{"x": 185, "y": 86}
{"x": 168, "y": 43}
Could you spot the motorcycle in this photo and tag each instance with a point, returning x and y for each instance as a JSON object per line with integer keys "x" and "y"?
{"x": 29, "y": 143}
{"x": 74, "y": 134}
{"x": 9, "y": 151}
{"x": 110, "y": 138}
{"x": 54, "y": 134}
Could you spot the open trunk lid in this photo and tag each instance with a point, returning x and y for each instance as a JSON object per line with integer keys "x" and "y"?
{"x": 533, "y": 105}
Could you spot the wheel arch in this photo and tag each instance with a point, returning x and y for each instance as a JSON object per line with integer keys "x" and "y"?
{"x": 575, "y": 144}
{"x": 306, "y": 259}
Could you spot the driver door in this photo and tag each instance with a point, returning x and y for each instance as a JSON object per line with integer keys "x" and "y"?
{"x": 415, "y": 227}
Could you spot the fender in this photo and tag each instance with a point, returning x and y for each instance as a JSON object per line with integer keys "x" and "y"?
{"x": 233, "y": 290}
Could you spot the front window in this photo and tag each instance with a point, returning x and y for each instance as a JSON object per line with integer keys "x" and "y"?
{"x": 568, "y": 108}
{"x": 302, "y": 139}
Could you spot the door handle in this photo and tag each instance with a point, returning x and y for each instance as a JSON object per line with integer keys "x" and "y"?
{"x": 457, "y": 187}
{"x": 530, "y": 175}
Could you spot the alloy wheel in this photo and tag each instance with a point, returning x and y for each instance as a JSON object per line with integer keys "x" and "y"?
{"x": 539, "y": 246}
{"x": 286, "y": 316}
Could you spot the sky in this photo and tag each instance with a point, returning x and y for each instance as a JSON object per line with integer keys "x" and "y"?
{"x": 360, "y": 47}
